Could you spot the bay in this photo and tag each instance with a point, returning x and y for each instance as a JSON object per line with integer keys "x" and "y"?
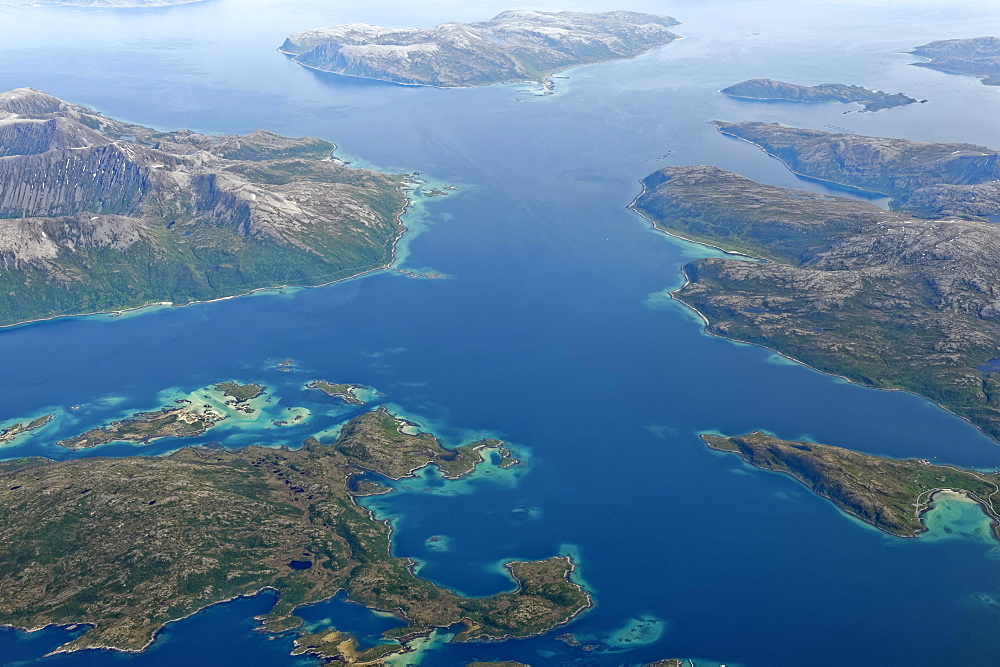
{"x": 551, "y": 331}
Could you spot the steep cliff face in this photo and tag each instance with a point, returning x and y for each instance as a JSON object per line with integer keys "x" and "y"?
{"x": 513, "y": 46}
{"x": 930, "y": 179}
{"x": 879, "y": 297}
{"x": 96, "y": 214}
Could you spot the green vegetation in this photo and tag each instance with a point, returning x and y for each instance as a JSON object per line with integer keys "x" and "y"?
{"x": 345, "y": 392}
{"x": 506, "y": 458}
{"x": 376, "y": 442}
{"x": 184, "y": 422}
{"x": 8, "y": 433}
{"x": 241, "y": 393}
{"x": 879, "y": 297}
{"x": 887, "y": 493}
{"x": 203, "y": 525}
{"x": 332, "y": 645}
{"x": 159, "y": 225}
{"x": 931, "y": 180}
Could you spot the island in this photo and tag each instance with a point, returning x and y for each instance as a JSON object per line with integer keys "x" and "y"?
{"x": 205, "y": 525}
{"x": 773, "y": 91}
{"x": 144, "y": 427}
{"x": 978, "y": 56}
{"x": 240, "y": 393}
{"x": 878, "y": 297}
{"x": 8, "y": 433}
{"x": 926, "y": 179}
{"x": 513, "y": 46}
{"x": 183, "y": 421}
{"x": 120, "y": 216}
{"x": 890, "y": 494}
{"x": 345, "y": 392}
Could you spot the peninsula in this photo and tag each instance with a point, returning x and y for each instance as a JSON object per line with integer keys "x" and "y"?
{"x": 770, "y": 90}
{"x": 513, "y": 46}
{"x": 926, "y": 179}
{"x": 979, "y": 56}
{"x": 890, "y": 494}
{"x": 878, "y": 297}
{"x": 100, "y": 215}
{"x": 204, "y": 525}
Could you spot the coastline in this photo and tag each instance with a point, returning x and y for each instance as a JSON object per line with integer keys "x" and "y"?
{"x": 388, "y": 266}
{"x": 845, "y": 186}
{"x": 788, "y": 99}
{"x": 922, "y": 507}
{"x": 410, "y": 564}
{"x": 64, "y": 650}
{"x": 543, "y": 81}
{"x": 707, "y": 332}
{"x": 660, "y": 229}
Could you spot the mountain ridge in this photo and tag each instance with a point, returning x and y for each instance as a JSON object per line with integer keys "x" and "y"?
{"x": 99, "y": 215}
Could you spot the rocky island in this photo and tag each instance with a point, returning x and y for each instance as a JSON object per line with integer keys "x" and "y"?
{"x": 185, "y": 420}
{"x": 98, "y": 215}
{"x": 979, "y": 56}
{"x": 890, "y": 494}
{"x": 927, "y": 179}
{"x": 879, "y": 297}
{"x": 774, "y": 91}
{"x": 345, "y": 392}
{"x": 513, "y": 46}
{"x": 11, "y": 431}
{"x": 204, "y": 525}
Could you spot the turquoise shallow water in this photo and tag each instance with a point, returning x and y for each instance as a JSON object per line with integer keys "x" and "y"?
{"x": 550, "y": 332}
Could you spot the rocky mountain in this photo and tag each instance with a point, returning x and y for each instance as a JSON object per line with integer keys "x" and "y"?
{"x": 513, "y": 46}
{"x": 927, "y": 179}
{"x": 890, "y": 494}
{"x": 979, "y": 56}
{"x": 771, "y": 90}
{"x": 879, "y": 297}
{"x": 99, "y": 215}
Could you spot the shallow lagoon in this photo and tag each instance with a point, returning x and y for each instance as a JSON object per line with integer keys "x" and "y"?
{"x": 549, "y": 332}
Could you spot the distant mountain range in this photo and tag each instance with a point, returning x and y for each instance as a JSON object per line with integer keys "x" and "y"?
{"x": 513, "y": 46}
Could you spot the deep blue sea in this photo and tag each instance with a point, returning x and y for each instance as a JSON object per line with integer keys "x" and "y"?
{"x": 553, "y": 331}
